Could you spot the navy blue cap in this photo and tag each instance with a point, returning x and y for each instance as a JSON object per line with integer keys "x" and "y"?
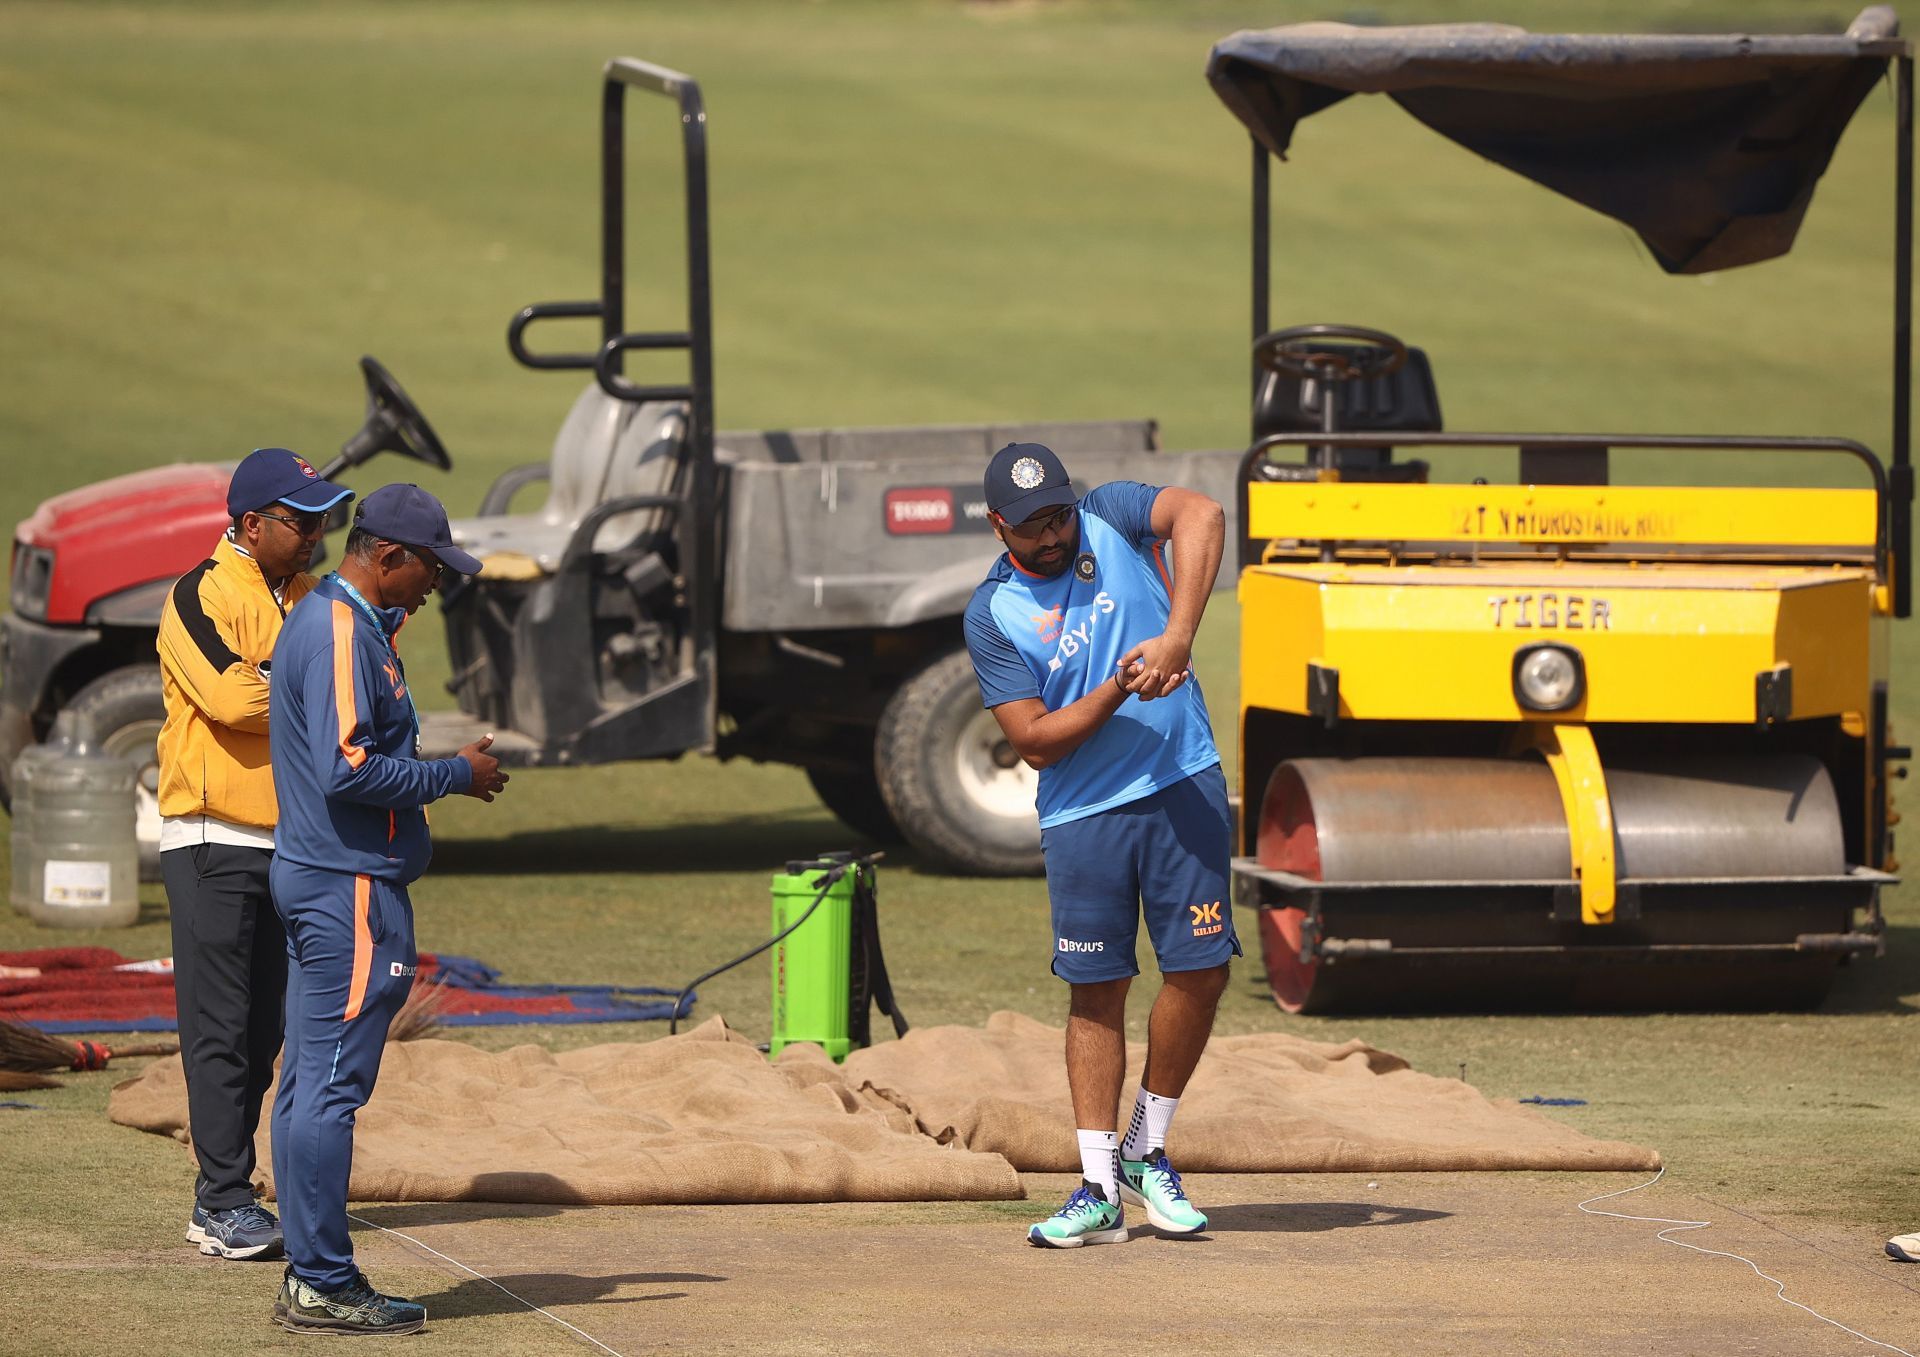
{"x": 410, "y": 516}
{"x": 277, "y": 476}
{"x": 1023, "y": 478}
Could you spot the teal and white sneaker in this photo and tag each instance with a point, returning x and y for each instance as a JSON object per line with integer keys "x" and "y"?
{"x": 1154, "y": 1184}
{"x": 1087, "y": 1218}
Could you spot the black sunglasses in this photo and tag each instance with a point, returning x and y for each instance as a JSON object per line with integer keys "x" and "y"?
{"x": 1052, "y": 522}
{"x": 304, "y": 524}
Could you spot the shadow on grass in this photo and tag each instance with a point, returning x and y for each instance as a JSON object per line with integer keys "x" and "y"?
{"x": 412, "y": 1215}
{"x": 1880, "y": 984}
{"x": 1314, "y": 1217}
{"x": 475, "y": 1299}
{"x": 715, "y": 845}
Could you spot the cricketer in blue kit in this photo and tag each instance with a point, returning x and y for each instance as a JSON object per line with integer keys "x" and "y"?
{"x": 352, "y": 834}
{"x": 1082, "y": 639}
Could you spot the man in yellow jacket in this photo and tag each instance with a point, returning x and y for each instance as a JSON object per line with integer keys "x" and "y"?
{"x": 218, "y": 812}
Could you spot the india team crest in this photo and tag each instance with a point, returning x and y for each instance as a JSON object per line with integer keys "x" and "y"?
{"x": 1027, "y": 474}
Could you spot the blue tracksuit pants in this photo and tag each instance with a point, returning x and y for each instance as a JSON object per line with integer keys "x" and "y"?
{"x": 350, "y": 963}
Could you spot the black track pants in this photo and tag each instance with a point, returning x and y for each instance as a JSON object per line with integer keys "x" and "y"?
{"x": 230, "y": 985}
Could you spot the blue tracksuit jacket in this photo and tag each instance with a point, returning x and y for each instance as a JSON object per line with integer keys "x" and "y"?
{"x": 343, "y": 731}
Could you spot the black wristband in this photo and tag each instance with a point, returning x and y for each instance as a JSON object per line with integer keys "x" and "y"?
{"x": 1117, "y": 683}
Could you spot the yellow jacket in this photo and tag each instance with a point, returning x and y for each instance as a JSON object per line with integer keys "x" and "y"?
{"x": 218, "y": 626}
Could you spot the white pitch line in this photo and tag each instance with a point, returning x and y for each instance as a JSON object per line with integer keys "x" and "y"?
{"x": 1779, "y": 1287}
{"x": 496, "y": 1285}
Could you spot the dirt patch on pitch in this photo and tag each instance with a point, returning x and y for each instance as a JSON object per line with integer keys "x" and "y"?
{"x": 1455, "y": 1264}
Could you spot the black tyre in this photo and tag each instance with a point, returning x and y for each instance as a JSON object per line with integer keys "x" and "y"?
{"x": 854, "y": 798}
{"x": 127, "y": 710}
{"x": 953, "y": 784}
{"x": 13, "y": 739}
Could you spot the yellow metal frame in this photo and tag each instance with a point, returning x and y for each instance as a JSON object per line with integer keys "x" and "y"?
{"x": 1656, "y": 515}
{"x": 1659, "y": 643}
{"x": 1669, "y": 636}
{"x": 1570, "y": 753}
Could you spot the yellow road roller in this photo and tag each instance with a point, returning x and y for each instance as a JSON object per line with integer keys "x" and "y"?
{"x": 1544, "y": 740}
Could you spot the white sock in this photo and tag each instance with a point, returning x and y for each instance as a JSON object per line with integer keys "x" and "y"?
{"x": 1148, "y": 1129}
{"x": 1099, "y": 1161}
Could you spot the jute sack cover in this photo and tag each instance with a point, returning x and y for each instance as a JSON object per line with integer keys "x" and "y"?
{"x": 699, "y": 1118}
{"x": 1263, "y": 1103}
{"x": 948, "y": 1113}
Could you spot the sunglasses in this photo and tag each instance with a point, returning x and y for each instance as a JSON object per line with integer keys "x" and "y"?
{"x": 437, "y": 567}
{"x": 304, "y": 524}
{"x": 1035, "y": 528}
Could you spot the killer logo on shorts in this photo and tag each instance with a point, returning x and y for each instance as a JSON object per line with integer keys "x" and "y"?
{"x": 1083, "y": 567}
{"x": 401, "y": 970}
{"x": 1206, "y": 919}
{"x": 1027, "y": 474}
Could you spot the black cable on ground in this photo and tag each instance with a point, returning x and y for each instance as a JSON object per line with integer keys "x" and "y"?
{"x": 833, "y": 874}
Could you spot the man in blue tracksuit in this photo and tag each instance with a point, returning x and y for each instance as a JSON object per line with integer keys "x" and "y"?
{"x": 1081, "y": 637}
{"x": 353, "y": 833}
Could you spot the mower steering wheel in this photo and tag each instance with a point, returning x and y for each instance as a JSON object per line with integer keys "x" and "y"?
{"x": 396, "y": 421}
{"x": 1361, "y": 352}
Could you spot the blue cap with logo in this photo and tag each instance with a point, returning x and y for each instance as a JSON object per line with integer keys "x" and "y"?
{"x": 279, "y": 476}
{"x": 1024, "y": 478}
{"x": 410, "y": 516}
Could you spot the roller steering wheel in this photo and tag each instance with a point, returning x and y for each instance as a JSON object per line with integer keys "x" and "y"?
{"x": 394, "y": 424}
{"x": 1359, "y": 352}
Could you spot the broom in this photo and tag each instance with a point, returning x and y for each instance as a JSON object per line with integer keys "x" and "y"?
{"x": 12, "y": 1081}
{"x": 28, "y": 1050}
{"x": 419, "y": 1016}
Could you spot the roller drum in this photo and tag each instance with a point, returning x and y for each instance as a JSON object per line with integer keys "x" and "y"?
{"x": 1455, "y": 819}
{"x": 1727, "y": 817}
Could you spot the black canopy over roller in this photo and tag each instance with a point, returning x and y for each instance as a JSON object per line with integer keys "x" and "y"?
{"x": 1708, "y": 146}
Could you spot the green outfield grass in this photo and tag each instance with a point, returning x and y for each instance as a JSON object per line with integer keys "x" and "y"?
{"x": 922, "y": 213}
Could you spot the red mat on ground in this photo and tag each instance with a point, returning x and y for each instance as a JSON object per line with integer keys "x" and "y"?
{"x": 95, "y": 989}
{"x": 87, "y": 989}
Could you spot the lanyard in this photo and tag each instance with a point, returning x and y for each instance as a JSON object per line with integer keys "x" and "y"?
{"x": 399, "y": 665}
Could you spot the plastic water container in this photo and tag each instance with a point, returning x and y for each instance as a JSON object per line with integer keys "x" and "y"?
{"x": 76, "y": 861}
{"x": 20, "y": 890}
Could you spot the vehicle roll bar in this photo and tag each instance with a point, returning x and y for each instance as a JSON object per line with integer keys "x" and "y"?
{"x": 694, "y": 507}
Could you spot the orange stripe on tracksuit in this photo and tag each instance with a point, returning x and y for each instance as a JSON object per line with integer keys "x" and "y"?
{"x": 362, "y": 948}
{"x": 343, "y": 683}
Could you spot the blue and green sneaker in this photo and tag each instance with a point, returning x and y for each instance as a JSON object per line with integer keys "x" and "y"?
{"x": 1154, "y": 1184}
{"x": 1087, "y": 1218}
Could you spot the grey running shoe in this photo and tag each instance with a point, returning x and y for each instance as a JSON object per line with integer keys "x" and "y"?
{"x": 355, "y": 1308}
{"x": 238, "y": 1232}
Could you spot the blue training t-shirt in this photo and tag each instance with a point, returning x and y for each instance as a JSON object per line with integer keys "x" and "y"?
{"x": 1058, "y": 639}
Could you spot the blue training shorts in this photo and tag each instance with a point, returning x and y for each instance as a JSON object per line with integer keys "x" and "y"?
{"x": 1165, "y": 856}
